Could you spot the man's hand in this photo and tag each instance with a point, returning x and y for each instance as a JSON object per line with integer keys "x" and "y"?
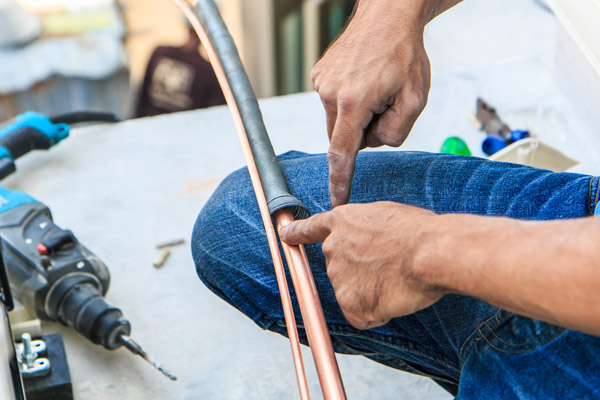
{"x": 374, "y": 254}
{"x": 373, "y": 82}
{"x": 386, "y": 260}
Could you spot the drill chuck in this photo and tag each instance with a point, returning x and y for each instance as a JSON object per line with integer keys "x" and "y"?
{"x": 76, "y": 301}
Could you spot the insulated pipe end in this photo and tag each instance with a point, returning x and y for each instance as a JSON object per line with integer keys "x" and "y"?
{"x": 298, "y": 208}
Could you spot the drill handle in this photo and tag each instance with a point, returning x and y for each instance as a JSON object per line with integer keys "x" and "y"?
{"x": 29, "y": 131}
{"x": 17, "y": 143}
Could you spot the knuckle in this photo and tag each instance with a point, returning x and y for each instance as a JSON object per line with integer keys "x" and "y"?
{"x": 335, "y": 213}
{"x": 347, "y": 100}
{"x": 415, "y": 103}
{"x": 342, "y": 295}
{"x": 354, "y": 321}
{"x": 394, "y": 139}
{"x": 341, "y": 161}
{"x": 327, "y": 92}
{"x": 287, "y": 234}
{"x": 315, "y": 72}
{"x": 340, "y": 214}
{"x": 306, "y": 228}
{"x": 332, "y": 275}
{"x": 336, "y": 157}
{"x": 341, "y": 167}
{"x": 327, "y": 248}
{"x": 390, "y": 133}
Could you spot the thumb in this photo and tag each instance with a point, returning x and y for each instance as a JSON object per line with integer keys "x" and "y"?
{"x": 312, "y": 230}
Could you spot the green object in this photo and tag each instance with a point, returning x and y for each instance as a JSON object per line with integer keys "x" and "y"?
{"x": 455, "y": 145}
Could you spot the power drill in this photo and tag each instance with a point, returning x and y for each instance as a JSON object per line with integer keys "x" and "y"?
{"x": 53, "y": 275}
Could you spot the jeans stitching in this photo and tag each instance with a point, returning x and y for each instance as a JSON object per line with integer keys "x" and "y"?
{"x": 406, "y": 367}
{"x": 542, "y": 338}
{"x": 496, "y": 322}
{"x": 527, "y": 343}
{"x": 589, "y": 203}
{"x": 597, "y": 195}
{"x": 469, "y": 345}
{"x": 594, "y": 194}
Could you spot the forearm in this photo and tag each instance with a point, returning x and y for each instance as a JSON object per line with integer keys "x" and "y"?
{"x": 545, "y": 270}
{"x": 419, "y": 12}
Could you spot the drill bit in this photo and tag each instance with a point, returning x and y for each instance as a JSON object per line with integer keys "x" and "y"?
{"x": 135, "y": 348}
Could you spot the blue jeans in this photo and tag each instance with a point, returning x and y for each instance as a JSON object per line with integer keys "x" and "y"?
{"x": 472, "y": 349}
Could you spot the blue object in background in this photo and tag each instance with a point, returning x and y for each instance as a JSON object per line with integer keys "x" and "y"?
{"x": 40, "y": 122}
{"x": 495, "y": 142}
{"x": 518, "y": 134}
{"x": 28, "y": 131}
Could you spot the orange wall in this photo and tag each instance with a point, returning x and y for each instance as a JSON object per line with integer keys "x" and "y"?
{"x": 151, "y": 23}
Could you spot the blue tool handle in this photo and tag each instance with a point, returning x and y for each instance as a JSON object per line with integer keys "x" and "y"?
{"x": 29, "y": 131}
{"x": 17, "y": 143}
{"x": 22, "y": 140}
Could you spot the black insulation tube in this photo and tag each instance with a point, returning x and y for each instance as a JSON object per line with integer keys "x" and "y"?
{"x": 273, "y": 182}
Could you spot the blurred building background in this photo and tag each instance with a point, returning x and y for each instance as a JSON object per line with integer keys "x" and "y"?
{"x": 280, "y": 40}
{"x": 63, "y": 55}
{"x": 57, "y": 56}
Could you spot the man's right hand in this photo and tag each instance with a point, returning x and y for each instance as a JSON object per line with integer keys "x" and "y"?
{"x": 373, "y": 81}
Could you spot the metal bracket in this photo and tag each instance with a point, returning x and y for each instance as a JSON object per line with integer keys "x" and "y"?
{"x": 28, "y": 353}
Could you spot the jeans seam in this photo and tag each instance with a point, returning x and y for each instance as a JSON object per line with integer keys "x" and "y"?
{"x": 597, "y": 195}
{"x": 593, "y": 194}
{"x": 416, "y": 352}
{"x": 411, "y": 369}
{"x": 553, "y": 335}
{"x": 492, "y": 332}
{"x": 469, "y": 345}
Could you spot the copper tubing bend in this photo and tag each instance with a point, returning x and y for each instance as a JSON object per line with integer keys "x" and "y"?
{"x": 261, "y": 162}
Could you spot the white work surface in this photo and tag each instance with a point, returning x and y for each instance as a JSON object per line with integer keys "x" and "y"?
{"x": 126, "y": 187}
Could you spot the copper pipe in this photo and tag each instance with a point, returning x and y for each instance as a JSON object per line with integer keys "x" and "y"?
{"x": 284, "y": 292}
{"x": 308, "y": 299}
{"x": 312, "y": 314}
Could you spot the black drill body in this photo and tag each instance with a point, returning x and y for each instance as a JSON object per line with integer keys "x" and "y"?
{"x": 56, "y": 277}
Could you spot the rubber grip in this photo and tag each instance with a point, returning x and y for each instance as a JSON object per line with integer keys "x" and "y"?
{"x": 23, "y": 140}
{"x": 273, "y": 182}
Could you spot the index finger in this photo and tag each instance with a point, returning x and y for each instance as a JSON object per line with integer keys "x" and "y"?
{"x": 312, "y": 230}
{"x": 346, "y": 141}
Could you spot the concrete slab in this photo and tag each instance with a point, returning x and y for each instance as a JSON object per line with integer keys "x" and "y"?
{"x": 123, "y": 188}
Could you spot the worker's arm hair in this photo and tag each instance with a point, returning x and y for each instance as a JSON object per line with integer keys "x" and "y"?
{"x": 548, "y": 271}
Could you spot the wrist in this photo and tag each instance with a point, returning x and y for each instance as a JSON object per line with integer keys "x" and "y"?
{"x": 452, "y": 251}
{"x": 429, "y": 263}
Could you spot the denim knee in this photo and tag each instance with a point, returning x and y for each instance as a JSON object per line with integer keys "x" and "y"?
{"x": 231, "y": 253}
